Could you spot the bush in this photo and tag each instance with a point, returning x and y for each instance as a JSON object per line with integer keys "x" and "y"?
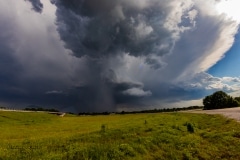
{"x": 190, "y": 127}
{"x": 238, "y": 100}
{"x": 103, "y": 128}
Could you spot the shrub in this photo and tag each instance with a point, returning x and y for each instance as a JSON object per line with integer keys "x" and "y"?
{"x": 103, "y": 128}
{"x": 190, "y": 127}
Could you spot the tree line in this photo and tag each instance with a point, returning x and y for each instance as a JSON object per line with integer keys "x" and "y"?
{"x": 38, "y": 108}
{"x": 143, "y": 111}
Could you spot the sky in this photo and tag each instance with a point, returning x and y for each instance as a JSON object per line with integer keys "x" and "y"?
{"x": 229, "y": 65}
{"x": 104, "y": 55}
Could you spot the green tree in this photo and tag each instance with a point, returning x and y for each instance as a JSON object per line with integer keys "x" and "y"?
{"x": 219, "y": 100}
{"x": 238, "y": 100}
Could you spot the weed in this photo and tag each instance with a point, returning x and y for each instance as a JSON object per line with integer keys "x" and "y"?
{"x": 149, "y": 130}
{"x": 190, "y": 127}
{"x": 103, "y": 128}
{"x": 236, "y": 134}
{"x": 127, "y": 150}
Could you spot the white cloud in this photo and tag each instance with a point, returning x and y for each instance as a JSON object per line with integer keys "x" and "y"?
{"x": 142, "y": 30}
{"x": 54, "y": 92}
{"x": 231, "y": 79}
{"x": 138, "y": 92}
{"x": 205, "y": 81}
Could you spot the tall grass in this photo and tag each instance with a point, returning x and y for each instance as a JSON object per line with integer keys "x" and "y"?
{"x": 137, "y": 136}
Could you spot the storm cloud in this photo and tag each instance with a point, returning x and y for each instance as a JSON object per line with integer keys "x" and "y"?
{"x": 141, "y": 29}
{"x": 89, "y": 55}
{"x": 36, "y": 5}
{"x": 108, "y": 30}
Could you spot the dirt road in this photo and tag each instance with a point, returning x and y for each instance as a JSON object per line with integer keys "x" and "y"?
{"x": 228, "y": 112}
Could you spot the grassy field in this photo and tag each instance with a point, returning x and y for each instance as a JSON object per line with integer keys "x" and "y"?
{"x": 134, "y": 136}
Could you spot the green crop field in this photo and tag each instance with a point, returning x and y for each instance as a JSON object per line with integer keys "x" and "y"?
{"x": 171, "y": 136}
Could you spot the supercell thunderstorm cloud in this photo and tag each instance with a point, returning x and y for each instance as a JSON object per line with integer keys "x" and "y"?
{"x": 105, "y": 55}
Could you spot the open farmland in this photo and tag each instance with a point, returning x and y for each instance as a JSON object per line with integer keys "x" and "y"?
{"x": 134, "y": 136}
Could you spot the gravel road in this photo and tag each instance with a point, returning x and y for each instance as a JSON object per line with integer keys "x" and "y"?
{"x": 233, "y": 113}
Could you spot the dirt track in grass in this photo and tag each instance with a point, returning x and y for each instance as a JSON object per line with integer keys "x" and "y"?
{"x": 233, "y": 113}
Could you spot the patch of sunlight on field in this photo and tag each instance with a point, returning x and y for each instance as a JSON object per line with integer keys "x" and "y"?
{"x": 20, "y": 125}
